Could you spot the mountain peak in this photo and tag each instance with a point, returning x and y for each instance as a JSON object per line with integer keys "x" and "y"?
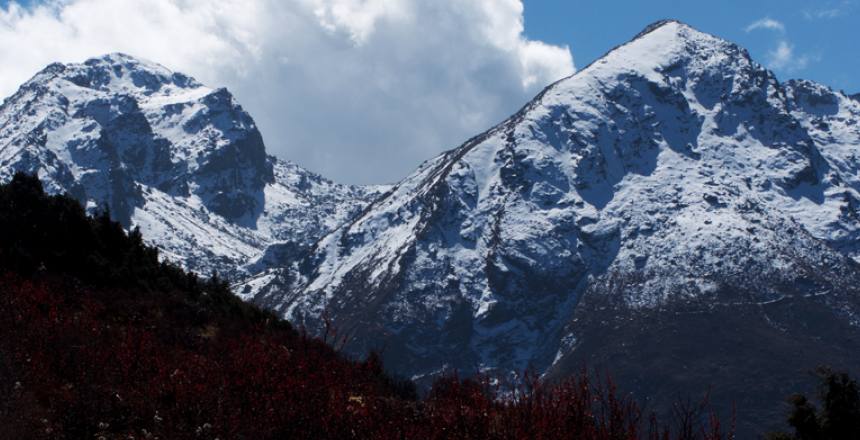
{"x": 120, "y": 62}
{"x": 647, "y": 178}
{"x": 140, "y": 125}
{"x": 119, "y": 57}
{"x": 670, "y": 22}
{"x": 183, "y": 161}
{"x": 673, "y": 29}
{"x": 118, "y": 72}
{"x": 673, "y": 38}
{"x": 667, "y": 48}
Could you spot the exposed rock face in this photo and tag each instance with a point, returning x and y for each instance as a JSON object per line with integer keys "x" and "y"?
{"x": 671, "y": 213}
{"x": 673, "y": 175}
{"x": 164, "y": 152}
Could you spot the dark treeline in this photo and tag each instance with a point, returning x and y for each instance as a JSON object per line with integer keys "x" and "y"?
{"x": 838, "y": 416}
{"x": 99, "y": 339}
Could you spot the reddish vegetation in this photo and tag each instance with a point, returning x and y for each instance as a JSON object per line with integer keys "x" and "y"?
{"x": 100, "y": 339}
{"x": 79, "y": 369}
{"x": 76, "y": 367}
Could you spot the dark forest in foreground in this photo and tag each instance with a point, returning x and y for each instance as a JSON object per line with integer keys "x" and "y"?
{"x": 98, "y": 338}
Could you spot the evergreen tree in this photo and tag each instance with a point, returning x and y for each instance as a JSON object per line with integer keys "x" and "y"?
{"x": 839, "y": 416}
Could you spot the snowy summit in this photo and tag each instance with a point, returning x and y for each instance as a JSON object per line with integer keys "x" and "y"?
{"x": 673, "y": 173}
{"x": 673, "y": 196}
{"x": 182, "y": 161}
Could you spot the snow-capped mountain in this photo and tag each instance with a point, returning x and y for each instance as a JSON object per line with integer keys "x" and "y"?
{"x": 672, "y": 212}
{"x": 182, "y": 161}
{"x": 675, "y": 173}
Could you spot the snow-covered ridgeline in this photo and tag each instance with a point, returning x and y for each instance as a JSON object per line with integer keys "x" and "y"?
{"x": 181, "y": 160}
{"x": 675, "y": 167}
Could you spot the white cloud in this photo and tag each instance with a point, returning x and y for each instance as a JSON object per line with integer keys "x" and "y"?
{"x": 359, "y": 90}
{"x": 782, "y": 57}
{"x": 830, "y": 10}
{"x": 766, "y": 23}
{"x": 823, "y": 13}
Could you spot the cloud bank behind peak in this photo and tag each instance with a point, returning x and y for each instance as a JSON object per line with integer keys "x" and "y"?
{"x": 358, "y": 90}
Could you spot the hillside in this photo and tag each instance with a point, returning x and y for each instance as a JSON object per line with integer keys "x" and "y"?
{"x": 98, "y": 339}
{"x": 672, "y": 212}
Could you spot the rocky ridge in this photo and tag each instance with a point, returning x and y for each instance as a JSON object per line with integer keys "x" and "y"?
{"x": 182, "y": 161}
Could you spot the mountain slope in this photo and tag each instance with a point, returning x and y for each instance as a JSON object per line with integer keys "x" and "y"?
{"x": 674, "y": 173}
{"x": 183, "y": 161}
{"x": 100, "y": 339}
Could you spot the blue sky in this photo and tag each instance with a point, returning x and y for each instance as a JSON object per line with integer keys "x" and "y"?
{"x": 824, "y": 34}
{"x": 362, "y": 91}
